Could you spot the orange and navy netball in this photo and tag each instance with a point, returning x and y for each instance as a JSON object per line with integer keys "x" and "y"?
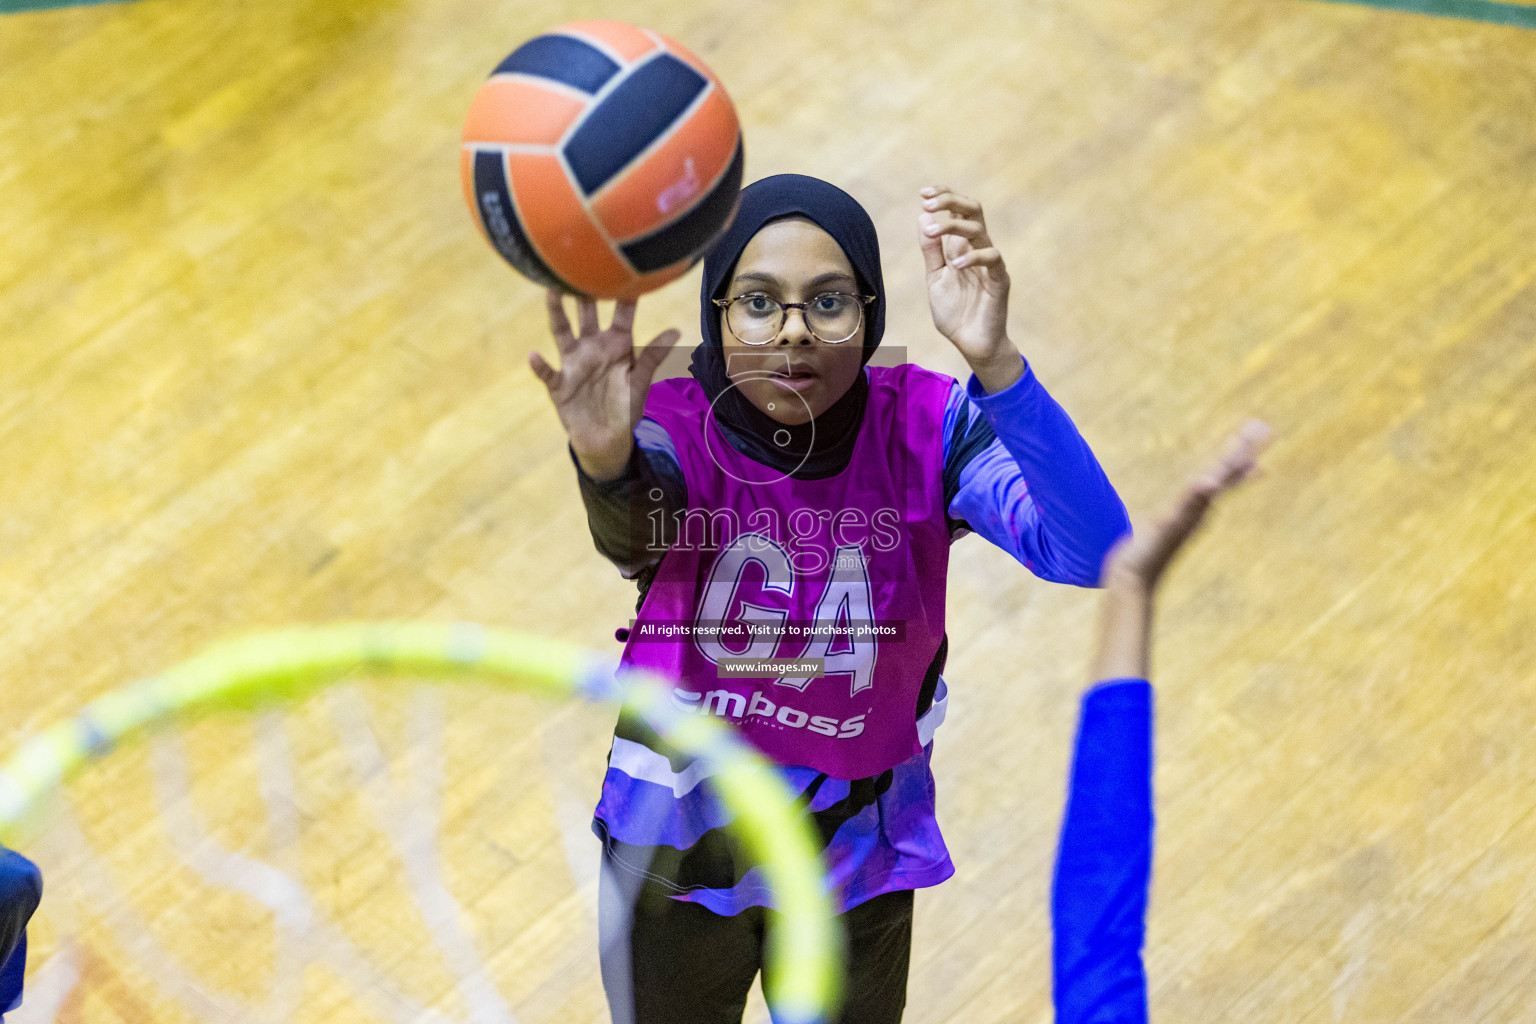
{"x": 602, "y": 159}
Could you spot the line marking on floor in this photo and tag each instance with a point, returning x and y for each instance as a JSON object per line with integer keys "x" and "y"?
{"x": 18, "y": 6}
{"x": 1518, "y": 15}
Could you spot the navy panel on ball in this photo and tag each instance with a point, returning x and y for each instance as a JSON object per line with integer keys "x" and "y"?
{"x": 638, "y": 111}
{"x": 494, "y": 201}
{"x": 563, "y": 59}
{"x": 691, "y": 232}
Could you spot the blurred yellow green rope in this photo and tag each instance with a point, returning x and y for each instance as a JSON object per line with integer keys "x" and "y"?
{"x": 267, "y": 668}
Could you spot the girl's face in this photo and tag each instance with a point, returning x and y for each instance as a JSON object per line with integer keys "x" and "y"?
{"x": 795, "y": 377}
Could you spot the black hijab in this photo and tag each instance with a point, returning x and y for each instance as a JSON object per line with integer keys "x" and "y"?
{"x": 822, "y": 447}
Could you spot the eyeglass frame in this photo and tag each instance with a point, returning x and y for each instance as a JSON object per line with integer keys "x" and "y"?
{"x": 785, "y": 307}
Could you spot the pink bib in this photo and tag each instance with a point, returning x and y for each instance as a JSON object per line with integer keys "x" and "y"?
{"x": 848, "y": 570}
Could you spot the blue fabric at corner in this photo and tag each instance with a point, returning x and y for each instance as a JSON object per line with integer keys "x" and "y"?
{"x": 1104, "y": 864}
{"x": 12, "y": 973}
{"x": 21, "y": 887}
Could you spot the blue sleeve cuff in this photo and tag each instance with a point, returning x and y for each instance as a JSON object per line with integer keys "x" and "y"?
{"x": 1136, "y": 689}
{"x": 1020, "y": 389}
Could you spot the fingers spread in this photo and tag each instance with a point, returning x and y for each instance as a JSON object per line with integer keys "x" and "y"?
{"x": 547, "y": 374}
{"x": 559, "y": 324}
{"x": 655, "y": 351}
{"x": 624, "y": 315}
{"x": 586, "y": 313}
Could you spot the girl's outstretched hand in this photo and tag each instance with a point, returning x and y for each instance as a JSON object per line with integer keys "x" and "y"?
{"x": 1135, "y": 565}
{"x": 968, "y": 285}
{"x": 1141, "y": 560}
{"x": 599, "y": 390}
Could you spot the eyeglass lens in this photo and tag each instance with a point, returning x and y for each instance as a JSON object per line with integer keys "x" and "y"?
{"x": 757, "y": 319}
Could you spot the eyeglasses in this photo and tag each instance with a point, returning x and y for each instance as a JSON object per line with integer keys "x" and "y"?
{"x": 831, "y": 317}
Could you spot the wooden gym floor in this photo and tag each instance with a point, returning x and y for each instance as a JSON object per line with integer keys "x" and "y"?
{"x": 258, "y": 368}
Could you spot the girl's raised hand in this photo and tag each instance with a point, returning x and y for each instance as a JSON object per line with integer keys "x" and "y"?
{"x": 967, "y": 284}
{"x": 1140, "y": 561}
{"x": 1134, "y": 567}
{"x": 599, "y": 390}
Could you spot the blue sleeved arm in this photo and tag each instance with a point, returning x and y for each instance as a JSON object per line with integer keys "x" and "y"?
{"x": 13, "y": 972}
{"x": 1104, "y": 862}
{"x": 21, "y": 888}
{"x": 1018, "y": 472}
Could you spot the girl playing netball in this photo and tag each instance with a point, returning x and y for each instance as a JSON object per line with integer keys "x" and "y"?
{"x": 787, "y": 513}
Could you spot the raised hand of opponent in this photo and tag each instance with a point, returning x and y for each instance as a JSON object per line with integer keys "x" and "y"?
{"x": 1142, "y": 559}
